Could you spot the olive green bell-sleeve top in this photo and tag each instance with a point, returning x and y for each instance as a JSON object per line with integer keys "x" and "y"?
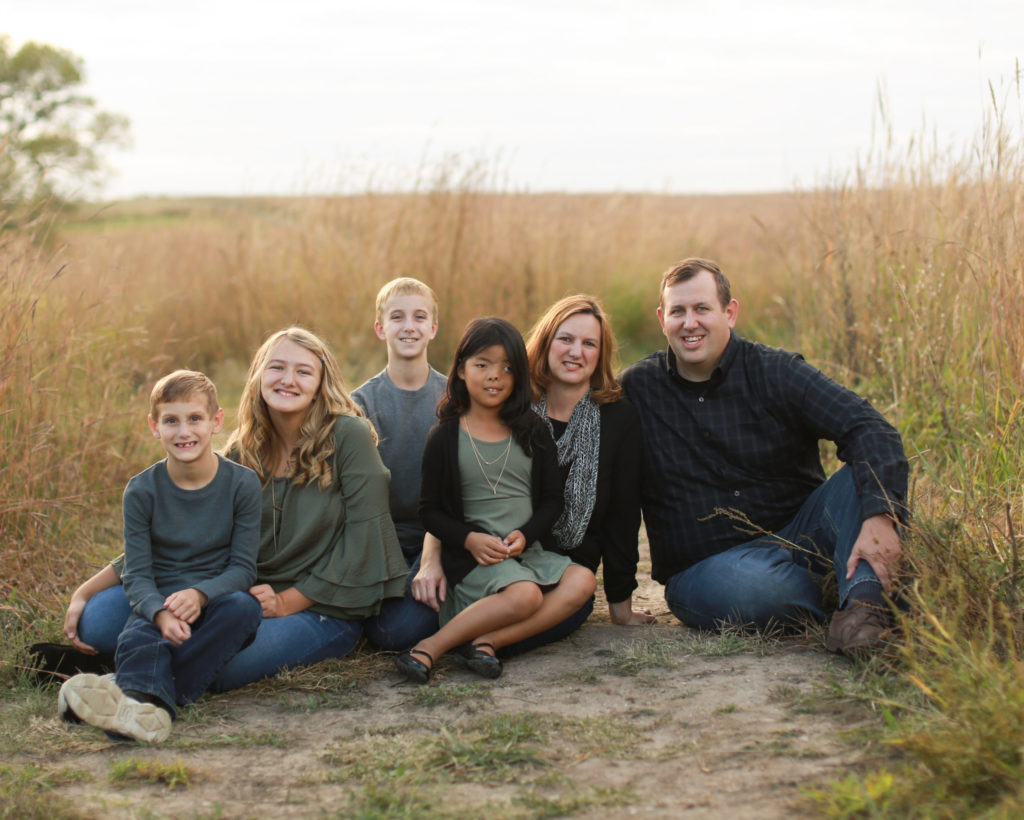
{"x": 336, "y": 546}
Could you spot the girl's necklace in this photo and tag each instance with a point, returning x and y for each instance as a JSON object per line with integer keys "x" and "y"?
{"x": 276, "y": 510}
{"x": 481, "y": 461}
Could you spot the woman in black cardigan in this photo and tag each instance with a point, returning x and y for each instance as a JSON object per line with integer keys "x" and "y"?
{"x": 599, "y": 448}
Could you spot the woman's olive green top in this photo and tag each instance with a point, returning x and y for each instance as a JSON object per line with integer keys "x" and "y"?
{"x": 336, "y": 546}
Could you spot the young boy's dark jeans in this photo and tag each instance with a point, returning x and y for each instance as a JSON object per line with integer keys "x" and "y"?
{"x": 179, "y": 675}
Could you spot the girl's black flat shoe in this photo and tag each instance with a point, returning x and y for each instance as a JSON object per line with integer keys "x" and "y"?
{"x": 414, "y": 670}
{"x": 474, "y": 658}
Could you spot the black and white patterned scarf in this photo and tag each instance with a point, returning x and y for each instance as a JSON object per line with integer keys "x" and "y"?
{"x": 578, "y": 447}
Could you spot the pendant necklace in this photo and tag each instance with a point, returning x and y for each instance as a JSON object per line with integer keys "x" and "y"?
{"x": 275, "y": 510}
{"x": 273, "y": 503}
{"x": 481, "y": 461}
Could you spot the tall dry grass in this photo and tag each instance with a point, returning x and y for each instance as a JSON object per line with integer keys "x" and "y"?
{"x": 129, "y": 291}
{"x": 910, "y": 284}
{"x": 218, "y": 284}
{"x": 904, "y": 281}
{"x": 65, "y": 444}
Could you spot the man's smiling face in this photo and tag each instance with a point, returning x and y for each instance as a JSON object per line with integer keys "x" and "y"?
{"x": 696, "y": 325}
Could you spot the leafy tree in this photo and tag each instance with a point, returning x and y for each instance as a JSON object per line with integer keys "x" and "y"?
{"x": 51, "y": 135}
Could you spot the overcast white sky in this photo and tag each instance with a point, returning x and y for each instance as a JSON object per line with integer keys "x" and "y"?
{"x": 231, "y": 97}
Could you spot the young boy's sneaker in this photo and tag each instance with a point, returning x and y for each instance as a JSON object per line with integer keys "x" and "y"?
{"x": 99, "y": 701}
{"x": 63, "y": 710}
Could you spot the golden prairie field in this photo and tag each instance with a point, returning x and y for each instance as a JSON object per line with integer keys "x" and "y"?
{"x": 905, "y": 282}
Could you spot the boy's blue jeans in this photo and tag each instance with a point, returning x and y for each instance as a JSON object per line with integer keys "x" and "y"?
{"x": 103, "y": 619}
{"x": 178, "y": 675}
{"x": 777, "y": 579}
{"x": 280, "y": 643}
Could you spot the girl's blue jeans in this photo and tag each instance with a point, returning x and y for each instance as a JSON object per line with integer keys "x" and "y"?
{"x": 280, "y": 643}
{"x": 778, "y": 578}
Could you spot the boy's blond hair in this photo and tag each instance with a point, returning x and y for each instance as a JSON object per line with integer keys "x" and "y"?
{"x": 405, "y": 286}
{"x": 181, "y": 385}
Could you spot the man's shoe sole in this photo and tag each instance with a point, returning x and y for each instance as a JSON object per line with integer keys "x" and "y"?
{"x": 98, "y": 701}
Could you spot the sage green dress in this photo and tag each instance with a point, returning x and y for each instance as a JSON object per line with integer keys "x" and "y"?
{"x": 496, "y": 499}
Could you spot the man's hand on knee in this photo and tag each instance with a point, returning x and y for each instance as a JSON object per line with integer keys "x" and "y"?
{"x": 879, "y": 544}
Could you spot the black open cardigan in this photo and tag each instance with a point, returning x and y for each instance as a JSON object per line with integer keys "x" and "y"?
{"x": 441, "y": 495}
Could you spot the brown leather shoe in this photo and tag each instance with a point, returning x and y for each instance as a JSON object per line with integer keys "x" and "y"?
{"x": 858, "y": 627}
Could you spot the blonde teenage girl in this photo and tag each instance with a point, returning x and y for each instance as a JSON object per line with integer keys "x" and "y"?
{"x": 491, "y": 492}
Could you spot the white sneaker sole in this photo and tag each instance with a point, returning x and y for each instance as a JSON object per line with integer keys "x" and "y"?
{"x": 98, "y": 701}
{"x": 63, "y": 711}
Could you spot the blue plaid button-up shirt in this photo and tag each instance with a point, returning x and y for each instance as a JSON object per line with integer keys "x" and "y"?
{"x": 747, "y": 441}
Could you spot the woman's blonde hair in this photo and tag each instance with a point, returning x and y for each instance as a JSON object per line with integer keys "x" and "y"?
{"x": 252, "y": 443}
{"x": 604, "y": 387}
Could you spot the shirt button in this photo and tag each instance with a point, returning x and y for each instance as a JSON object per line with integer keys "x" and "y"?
{"x": 700, "y": 399}
{"x": 735, "y": 492}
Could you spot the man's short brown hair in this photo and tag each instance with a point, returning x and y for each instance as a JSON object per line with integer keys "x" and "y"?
{"x": 685, "y": 271}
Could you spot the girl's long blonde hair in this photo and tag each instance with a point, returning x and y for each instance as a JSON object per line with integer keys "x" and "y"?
{"x": 252, "y": 443}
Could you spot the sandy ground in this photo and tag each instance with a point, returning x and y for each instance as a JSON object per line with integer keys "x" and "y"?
{"x": 646, "y": 722}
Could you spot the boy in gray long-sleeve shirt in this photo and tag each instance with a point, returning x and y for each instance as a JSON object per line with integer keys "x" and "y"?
{"x": 191, "y": 530}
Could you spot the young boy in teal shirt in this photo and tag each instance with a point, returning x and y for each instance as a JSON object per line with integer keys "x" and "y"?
{"x": 191, "y": 530}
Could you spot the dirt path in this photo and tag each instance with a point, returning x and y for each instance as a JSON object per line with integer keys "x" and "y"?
{"x": 652, "y": 722}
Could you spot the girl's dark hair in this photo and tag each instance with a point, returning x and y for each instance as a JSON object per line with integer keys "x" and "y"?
{"x": 517, "y": 412}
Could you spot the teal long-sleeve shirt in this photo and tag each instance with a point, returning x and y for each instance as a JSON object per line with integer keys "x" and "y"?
{"x": 174, "y": 539}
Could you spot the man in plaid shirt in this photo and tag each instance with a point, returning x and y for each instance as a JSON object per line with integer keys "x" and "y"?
{"x": 742, "y": 523}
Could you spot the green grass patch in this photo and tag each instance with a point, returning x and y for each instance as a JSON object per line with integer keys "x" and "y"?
{"x": 135, "y": 771}
{"x": 496, "y": 749}
{"x": 501, "y": 749}
{"x": 633, "y": 657}
{"x": 384, "y": 802}
{"x": 387, "y": 802}
{"x": 542, "y": 805}
{"x": 459, "y": 694}
{"x": 241, "y": 740}
{"x": 586, "y": 675}
{"x": 27, "y": 793}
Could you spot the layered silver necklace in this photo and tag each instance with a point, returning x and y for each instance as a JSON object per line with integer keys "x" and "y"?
{"x": 481, "y": 461}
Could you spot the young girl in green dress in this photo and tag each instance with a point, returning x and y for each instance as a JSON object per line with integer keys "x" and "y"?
{"x": 491, "y": 491}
